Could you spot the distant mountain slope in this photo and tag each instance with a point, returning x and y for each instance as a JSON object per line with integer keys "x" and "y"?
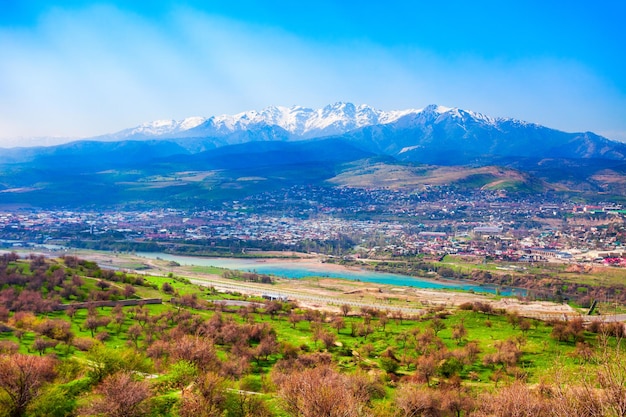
{"x": 444, "y": 136}
{"x": 130, "y": 173}
{"x": 271, "y": 154}
{"x": 87, "y": 153}
{"x": 410, "y": 176}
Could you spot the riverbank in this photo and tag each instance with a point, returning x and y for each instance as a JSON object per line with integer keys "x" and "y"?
{"x": 315, "y": 268}
{"x": 328, "y": 292}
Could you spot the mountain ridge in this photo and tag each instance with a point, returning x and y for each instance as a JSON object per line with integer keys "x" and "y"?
{"x": 300, "y": 122}
{"x": 232, "y": 156}
{"x": 407, "y": 134}
{"x": 411, "y": 134}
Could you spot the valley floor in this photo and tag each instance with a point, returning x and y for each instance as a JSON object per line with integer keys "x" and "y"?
{"x": 331, "y": 293}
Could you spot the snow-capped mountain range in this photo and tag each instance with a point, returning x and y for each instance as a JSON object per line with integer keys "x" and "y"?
{"x": 298, "y": 122}
{"x": 283, "y": 146}
{"x": 433, "y": 134}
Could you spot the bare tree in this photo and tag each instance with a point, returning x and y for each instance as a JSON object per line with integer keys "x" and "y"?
{"x": 397, "y": 316}
{"x": 456, "y": 399}
{"x": 195, "y": 350}
{"x": 612, "y": 379}
{"x": 415, "y": 400}
{"x": 40, "y": 344}
{"x": 103, "y": 285}
{"x": 268, "y": 346}
{"x": 328, "y": 339}
{"x": 21, "y": 380}
{"x": 70, "y": 312}
{"x": 471, "y": 351}
{"x": 426, "y": 366}
{"x": 321, "y": 391}
{"x": 9, "y": 347}
{"x": 338, "y": 323}
{"x": 513, "y": 318}
{"x": 91, "y": 323}
{"x": 129, "y": 291}
{"x": 294, "y": 319}
{"x": 459, "y": 332}
{"x": 119, "y": 317}
{"x": 515, "y": 400}
{"x": 437, "y": 325}
{"x": 134, "y": 333}
{"x": 508, "y": 354}
{"x": 384, "y": 319}
{"x": 525, "y": 325}
{"x": 207, "y": 399}
{"x": 273, "y": 308}
{"x": 121, "y": 396}
{"x": 584, "y": 400}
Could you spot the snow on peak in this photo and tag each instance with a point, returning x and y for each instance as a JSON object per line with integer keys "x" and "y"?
{"x": 443, "y": 112}
{"x": 163, "y": 127}
{"x": 300, "y": 122}
{"x": 305, "y": 122}
{"x": 158, "y": 124}
{"x": 191, "y": 122}
{"x": 434, "y": 108}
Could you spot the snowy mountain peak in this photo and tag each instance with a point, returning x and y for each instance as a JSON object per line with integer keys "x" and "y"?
{"x": 435, "y": 108}
{"x": 170, "y": 125}
{"x": 301, "y": 122}
{"x": 156, "y": 129}
{"x": 297, "y": 122}
{"x": 441, "y": 113}
{"x": 191, "y": 122}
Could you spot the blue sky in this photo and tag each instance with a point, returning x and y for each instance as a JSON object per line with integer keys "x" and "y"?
{"x": 80, "y": 68}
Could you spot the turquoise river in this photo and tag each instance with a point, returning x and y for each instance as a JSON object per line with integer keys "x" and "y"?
{"x": 288, "y": 269}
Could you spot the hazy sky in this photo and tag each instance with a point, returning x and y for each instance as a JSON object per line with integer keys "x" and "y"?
{"x": 82, "y": 68}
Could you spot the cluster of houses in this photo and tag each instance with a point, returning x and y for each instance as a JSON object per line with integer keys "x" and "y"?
{"x": 378, "y": 222}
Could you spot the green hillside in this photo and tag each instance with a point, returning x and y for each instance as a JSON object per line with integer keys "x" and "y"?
{"x": 191, "y": 353}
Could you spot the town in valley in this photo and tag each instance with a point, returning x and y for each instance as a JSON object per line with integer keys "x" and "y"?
{"x": 357, "y": 223}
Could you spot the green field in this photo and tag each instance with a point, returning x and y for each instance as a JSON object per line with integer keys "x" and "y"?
{"x": 250, "y": 353}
